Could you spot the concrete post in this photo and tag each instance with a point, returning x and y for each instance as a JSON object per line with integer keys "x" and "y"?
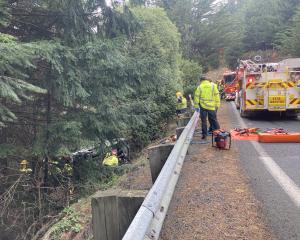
{"x": 113, "y": 211}
{"x": 157, "y": 158}
{"x": 182, "y": 122}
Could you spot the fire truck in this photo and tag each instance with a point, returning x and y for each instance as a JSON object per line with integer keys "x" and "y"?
{"x": 269, "y": 87}
{"x": 229, "y": 83}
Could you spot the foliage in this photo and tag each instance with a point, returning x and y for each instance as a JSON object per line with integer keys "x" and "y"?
{"x": 6, "y": 38}
{"x": 70, "y": 223}
{"x": 4, "y": 13}
{"x": 138, "y": 77}
{"x": 94, "y": 176}
{"x": 73, "y": 78}
{"x": 219, "y": 34}
{"x": 191, "y": 72}
{"x": 14, "y": 59}
{"x": 290, "y": 39}
{"x": 262, "y": 24}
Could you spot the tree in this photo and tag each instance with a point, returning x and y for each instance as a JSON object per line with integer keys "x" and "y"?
{"x": 262, "y": 22}
{"x": 14, "y": 59}
{"x": 81, "y": 77}
{"x": 190, "y": 73}
{"x": 289, "y": 40}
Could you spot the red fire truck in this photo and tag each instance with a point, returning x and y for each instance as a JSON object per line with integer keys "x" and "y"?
{"x": 269, "y": 87}
{"x": 229, "y": 82}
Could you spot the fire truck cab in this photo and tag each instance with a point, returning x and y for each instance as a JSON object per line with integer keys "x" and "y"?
{"x": 229, "y": 82}
{"x": 269, "y": 87}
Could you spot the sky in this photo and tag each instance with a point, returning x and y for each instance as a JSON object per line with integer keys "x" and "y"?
{"x": 108, "y": 2}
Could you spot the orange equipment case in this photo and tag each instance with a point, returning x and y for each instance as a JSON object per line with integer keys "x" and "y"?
{"x": 279, "y": 137}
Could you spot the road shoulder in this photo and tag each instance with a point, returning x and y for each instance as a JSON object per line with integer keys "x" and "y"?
{"x": 213, "y": 198}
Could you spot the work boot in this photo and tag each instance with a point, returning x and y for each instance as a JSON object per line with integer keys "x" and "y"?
{"x": 203, "y": 138}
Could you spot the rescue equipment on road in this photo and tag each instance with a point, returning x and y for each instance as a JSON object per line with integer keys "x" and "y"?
{"x": 245, "y": 134}
{"x": 246, "y": 131}
{"x": 278, "y": 135}
{"x": 270, "y": 135}
{"x": 221, "y": 139}
{"x": 276, "y": 131}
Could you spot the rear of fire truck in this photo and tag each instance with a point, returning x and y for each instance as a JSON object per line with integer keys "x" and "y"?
{"x": 269, "y": 87}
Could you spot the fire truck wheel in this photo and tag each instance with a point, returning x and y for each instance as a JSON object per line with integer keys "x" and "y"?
{"x": 291, "y": 114}
{"x": 243, "y": 114}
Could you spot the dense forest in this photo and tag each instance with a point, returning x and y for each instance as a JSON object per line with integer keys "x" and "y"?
{"x": 77, "y": 74}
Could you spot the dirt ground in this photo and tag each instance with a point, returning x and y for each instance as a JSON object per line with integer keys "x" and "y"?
{"x": 213, "y": 200}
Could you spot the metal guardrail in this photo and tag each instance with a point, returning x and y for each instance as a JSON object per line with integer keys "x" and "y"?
{"x": 149, "y": 219}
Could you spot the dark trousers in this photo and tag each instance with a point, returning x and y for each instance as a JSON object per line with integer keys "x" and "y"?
{"x": 210, "y": 124}
{"x": 212, "y": 118}
{"x": 181, "y": 111}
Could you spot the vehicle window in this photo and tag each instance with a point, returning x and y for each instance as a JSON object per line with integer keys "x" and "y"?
{"x": 229, "y": 78}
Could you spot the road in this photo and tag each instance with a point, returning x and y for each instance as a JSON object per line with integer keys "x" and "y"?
{"x": 274, "y": 173}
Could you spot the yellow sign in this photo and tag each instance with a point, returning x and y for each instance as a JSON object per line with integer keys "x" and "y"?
{"x": 277, "y": 101}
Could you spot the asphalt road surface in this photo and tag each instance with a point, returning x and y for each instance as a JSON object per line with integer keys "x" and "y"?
{"x": 274, "y": 173}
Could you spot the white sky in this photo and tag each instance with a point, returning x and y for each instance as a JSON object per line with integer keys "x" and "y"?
{"x": 109, "y": 2}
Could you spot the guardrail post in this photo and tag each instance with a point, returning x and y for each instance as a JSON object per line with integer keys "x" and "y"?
{"x": 157, "y": 158}
{"x": 182, "y": 122}
{"x": 113, "y": 211}
{"x": 179, "y": 130}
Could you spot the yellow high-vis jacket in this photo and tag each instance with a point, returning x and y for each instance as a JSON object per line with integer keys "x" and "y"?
{"x": 111, "y": 161}
{"x": 182, "y": 104}
{"x": 207, "y": 96}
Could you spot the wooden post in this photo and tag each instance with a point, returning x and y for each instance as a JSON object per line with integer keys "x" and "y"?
{"x": 157, "y": 158}
{"x": 113, "y": 211}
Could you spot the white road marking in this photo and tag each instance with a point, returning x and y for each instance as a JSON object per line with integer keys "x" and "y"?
{"x": 286, "y": 183}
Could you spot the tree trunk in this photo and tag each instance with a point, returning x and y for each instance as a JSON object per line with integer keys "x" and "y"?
{"x": 48, "y": 122}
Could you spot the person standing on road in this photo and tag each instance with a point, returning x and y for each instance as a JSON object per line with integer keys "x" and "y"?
{"x": 207, "y": 102}
{"x": 210, "y": 129}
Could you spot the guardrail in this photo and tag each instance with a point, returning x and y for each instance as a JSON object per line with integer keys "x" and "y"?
{"x": 149, "y": 219}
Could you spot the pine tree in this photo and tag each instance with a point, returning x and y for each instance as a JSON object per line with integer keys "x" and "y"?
{"x": 289, "y": 40}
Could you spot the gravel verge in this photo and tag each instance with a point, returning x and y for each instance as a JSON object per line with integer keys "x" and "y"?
{"x": 213, "y": 199}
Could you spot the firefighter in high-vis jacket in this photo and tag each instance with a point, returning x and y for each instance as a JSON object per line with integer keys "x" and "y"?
{"x": 24, "y": 167}
{"x": 207, "y": 102}
{"x": 111, "y": 160}
{"x": 181, "y": 105}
